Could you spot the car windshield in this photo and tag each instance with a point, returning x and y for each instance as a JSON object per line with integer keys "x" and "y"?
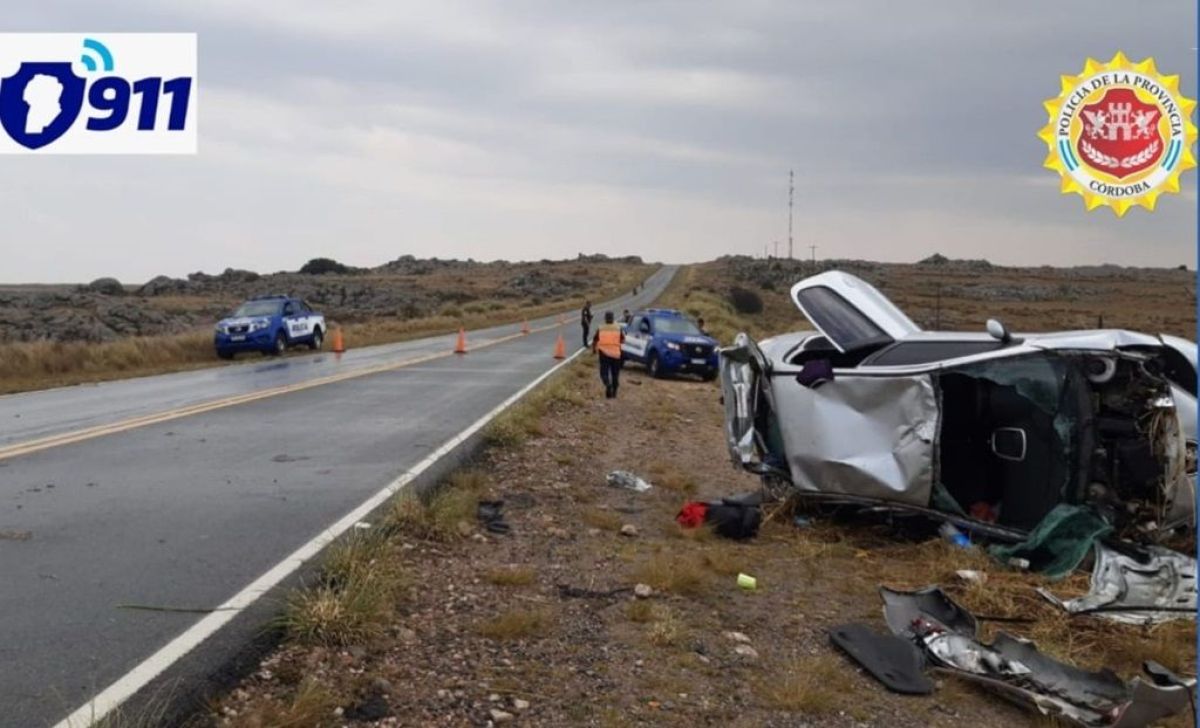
{"x": 257, "y": 308}
{"x": 676, "y": 326}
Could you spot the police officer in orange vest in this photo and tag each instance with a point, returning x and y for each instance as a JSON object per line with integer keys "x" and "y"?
{"x": 607, "y": 343}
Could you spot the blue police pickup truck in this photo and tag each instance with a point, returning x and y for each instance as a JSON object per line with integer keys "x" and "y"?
{"x": 269, "y": 324}
{"x": 667, "y": 341}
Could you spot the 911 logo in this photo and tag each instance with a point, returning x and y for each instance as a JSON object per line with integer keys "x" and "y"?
{"x": 120, "y": 93}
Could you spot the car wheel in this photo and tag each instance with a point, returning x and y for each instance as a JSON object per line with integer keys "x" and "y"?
{"x": 653, "y": 366}
{"x": 317, "y": 340}
{"x": 280, "y": 344}
{"x": 709, "y": 375}
{"x": 224, "y": 354}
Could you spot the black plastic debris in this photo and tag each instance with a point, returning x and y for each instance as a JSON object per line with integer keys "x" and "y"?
{"x": 491, "y": 514}
{"x": 731, "y": 519}
{"x": 893, "y": 661}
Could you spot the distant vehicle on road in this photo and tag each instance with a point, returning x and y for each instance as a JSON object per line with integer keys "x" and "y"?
{"x": 269, "y": 324}
{"x": 666, "y": 341}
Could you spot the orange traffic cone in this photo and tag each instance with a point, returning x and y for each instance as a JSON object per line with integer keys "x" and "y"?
{"x": 461, "y": 346}
{"x": 525, "y": 328}
{"x": 560, "y": 348}
{"x": 338, "y": 344}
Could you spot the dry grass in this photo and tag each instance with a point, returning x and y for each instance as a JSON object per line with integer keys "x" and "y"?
{"x": 726, "y": 560}
{"x": 511, "y": 576}
{"x": 154, "y": 711}
{"x": 523, "y": 420}
{"x": 672, "y": 478}
{"x": 311, "y": 705}
{"x": 439, "y": 517}
{"x": 361, "y": 582}
{"x": 43, "y": 364}
{"x": 641, "y": 611}
{"x": 516, "y": 624}
{"x": 808, "y": 685}
{"x": 667, "y": 629}
{"x": 603, "y": 520}
{"x": 678, "y": 573}
{"x": 699, "y": 534}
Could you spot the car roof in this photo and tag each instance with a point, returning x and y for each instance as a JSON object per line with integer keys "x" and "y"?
{"x": 669, "y": 312}
{"x": 274, "y": 297}
{"x": 1081, "y": 339}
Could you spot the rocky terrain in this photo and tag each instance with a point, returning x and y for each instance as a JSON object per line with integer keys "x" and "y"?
{"x": 405, "y": 288}
{"x": 943, "y": 294}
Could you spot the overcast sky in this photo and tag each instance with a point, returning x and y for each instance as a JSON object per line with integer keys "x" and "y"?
{"x": 528, "y": 130}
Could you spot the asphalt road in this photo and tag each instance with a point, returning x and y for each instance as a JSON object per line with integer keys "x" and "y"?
{"x": 185, "y": 511}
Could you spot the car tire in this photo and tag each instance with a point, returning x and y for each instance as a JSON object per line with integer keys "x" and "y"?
{"x": 709, "y": 375}
{"x": 281, "y": 344}
{"x": 317, "y": 340}
{"x": 654, "y": 366}
{"x": 224, "y": 354}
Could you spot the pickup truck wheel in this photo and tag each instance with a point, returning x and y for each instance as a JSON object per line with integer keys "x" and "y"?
{"x": 317, "y": 340}
{"x": 709, "y": 375}
{"x": 653, "y": 366}
{"x": 225, "y": 353}
{"x": 280, "y": 344}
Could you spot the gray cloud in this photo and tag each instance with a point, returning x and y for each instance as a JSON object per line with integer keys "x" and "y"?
{"x": 541, "y": 129}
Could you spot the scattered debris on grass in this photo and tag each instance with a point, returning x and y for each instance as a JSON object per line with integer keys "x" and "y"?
{"x": 583, "y": 626}
{"x": 628, "y": 481}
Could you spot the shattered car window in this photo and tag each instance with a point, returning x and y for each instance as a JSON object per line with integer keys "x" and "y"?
{"x": 1037, "y": 378}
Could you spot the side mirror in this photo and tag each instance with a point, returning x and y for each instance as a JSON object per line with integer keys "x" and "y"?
{"x": 997, "y": 331}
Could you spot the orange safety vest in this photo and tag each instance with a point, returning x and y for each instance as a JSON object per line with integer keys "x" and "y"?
{"x": 608, "y": 341}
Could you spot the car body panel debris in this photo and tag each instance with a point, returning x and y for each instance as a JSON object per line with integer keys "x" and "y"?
{"x": 989, "y": 428}
{"x": 948, "y": 635}
{"x": 628, "y": 481}
{"x": 893, "y": 661}
{"x": 1158, "y": 587}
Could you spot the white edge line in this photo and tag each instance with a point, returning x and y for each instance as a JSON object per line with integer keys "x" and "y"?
{"x": 137, "y": 678}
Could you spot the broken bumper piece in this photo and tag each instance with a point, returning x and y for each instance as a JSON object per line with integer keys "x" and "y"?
{"x": 1156, "y": 588}
{"x": 948, "y": 635}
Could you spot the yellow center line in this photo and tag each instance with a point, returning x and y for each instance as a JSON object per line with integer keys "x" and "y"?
{"x": 68, "y": 438}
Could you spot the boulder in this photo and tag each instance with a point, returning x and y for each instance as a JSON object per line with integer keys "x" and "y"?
{"x": 106, "y": 287}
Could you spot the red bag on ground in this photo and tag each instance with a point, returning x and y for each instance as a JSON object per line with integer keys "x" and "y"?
{"x": 692, "y": 514}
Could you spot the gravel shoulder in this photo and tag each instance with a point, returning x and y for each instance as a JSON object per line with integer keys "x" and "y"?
{"x": 541, "y": 626}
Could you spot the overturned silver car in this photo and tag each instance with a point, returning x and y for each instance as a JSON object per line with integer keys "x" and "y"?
{"x": 989, "y": 430}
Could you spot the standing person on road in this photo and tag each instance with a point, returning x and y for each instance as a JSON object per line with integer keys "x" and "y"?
{"x": 626, "y": 317}
{"x": 585, "y": 320}
{"x": 607, "y": 343}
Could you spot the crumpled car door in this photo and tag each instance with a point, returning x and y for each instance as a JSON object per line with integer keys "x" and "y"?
{"x": 863, "y": 436}
{"x": 745, "y": 386}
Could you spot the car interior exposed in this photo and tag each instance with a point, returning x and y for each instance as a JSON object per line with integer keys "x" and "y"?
{"x": 1021, "y": 436}
{"x": 1004, "y": 446}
